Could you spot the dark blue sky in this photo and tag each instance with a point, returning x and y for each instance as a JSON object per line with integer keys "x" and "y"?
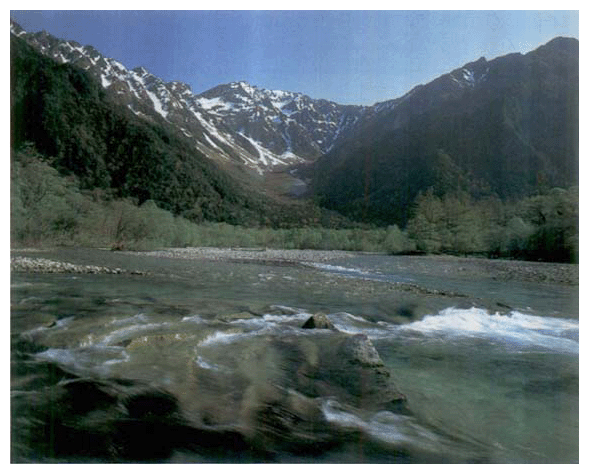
{"x": 351, "y": 57}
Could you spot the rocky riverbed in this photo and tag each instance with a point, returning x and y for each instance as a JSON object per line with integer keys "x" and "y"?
{"x": 271, "y": 256}
{"x": 44, "y": 265}
{"x": 444, "y": 265}
{"x": 249, "y": 355}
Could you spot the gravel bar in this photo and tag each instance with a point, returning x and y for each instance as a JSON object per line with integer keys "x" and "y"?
{"x": 44, "y": 265}
{"x": 254, "y": 255}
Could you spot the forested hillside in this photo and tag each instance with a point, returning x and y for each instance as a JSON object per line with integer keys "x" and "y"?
{"x": 68, "y": 119}
{"x": 507, "y": 128}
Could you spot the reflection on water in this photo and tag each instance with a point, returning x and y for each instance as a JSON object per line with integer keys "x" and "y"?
{"x": 213, "y": 357}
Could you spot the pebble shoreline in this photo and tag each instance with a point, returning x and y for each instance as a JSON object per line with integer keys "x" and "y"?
{"x": 266, "y": 255}
{"x": 270, "y": 256}
{"x": 539, "y": 272}
{"x": 44, "y": 265}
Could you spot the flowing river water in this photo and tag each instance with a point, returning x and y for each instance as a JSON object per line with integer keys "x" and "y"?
{"x": 180, "y": 359}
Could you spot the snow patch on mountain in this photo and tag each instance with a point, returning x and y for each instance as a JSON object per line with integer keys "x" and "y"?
{"x": 211, "y": 129}
{"x": 269, "y": 159}
{"x": 261, "y": 128}
{"x": 214, "y": 104}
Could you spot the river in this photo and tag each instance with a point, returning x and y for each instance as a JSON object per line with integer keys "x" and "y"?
{"x": 205, "y": 360}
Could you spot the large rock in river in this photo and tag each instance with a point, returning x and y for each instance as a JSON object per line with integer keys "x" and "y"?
{"x": 318, "y": 321}
{"x": 351, "y": 369}
{"x": 291, "y": 377}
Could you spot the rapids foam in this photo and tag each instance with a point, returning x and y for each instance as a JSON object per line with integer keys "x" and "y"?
{"x": 268, "y": 324}
{"x": 131, "y": 331}
{"x": 59, "y": 324}
{"x": 354, "y": 272}
{"x": 221, "y": 337}
{"x": 86, "y": 358}
{"x": 138, "y": 318}
{"x": 194, "y": 319}
{"x": 204, "y": 364}
{"x": 336, "y": 268}
{"x": 516, "y": 330}
{"x": 384, "y": 426}
{"x": 269, "y": 320}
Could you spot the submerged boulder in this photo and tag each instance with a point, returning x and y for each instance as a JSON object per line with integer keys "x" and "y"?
{"x": 254, "y": 397}
{"x": 363, "y": 373}
{"x": 351, "y": 369}
{"x": 318, "y": 321}
{"x": 347, "y": 367}
{"x": 276, "y": 418}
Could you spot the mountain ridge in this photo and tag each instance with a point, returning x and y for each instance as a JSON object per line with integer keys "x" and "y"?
{"x": 300, "y": 129}
{"x": 500, "y": 127}
{"x": 65, "y": 118}
{"x": 503, "y": 127}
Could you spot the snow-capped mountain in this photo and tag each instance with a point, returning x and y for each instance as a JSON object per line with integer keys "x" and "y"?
{"x": 287, "y": 123}
{"x": 237, "y": 122}
{"x": 505, "y": 127}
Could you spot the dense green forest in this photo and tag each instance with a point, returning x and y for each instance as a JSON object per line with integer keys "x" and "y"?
{"x": 51, "y": 209}
{"x": 541, "y": 227}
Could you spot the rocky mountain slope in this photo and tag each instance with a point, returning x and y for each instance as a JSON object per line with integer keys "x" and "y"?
{"x": 63, "y": 117}
{"x": 237, "y": 122}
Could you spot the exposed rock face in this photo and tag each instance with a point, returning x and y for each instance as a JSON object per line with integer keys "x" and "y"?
{"x": 351, "y": 369}
{"x": 366, "y": 377}
{"x": 318, "y": 321}
{"x": 359, "y": 350}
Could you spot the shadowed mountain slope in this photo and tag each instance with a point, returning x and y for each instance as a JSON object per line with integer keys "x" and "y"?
{"x": 507, "y": 127}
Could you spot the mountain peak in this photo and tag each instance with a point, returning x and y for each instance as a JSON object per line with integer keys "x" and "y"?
{"x": 557, "y": 47}
{"x": 247, "y": 88}
{"x": 562, "y": 42}
{"x": 141, "y": 71}
{"x": 478, "y": 62}
{"x": 179, "y": 86}
{"x": 16, "y": 29}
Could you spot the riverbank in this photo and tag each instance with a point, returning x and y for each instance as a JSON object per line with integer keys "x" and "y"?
{"x": 44, "y": 265}
{"x": 29, "y": 260}
{"x": 503, "y": 270}
{"x": 261, "y": 256}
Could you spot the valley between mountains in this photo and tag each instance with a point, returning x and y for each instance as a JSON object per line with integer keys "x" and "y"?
{"x": 237, "y": 122}
{"x": 245, "y": 275}
{"x": 482, "y": 160}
